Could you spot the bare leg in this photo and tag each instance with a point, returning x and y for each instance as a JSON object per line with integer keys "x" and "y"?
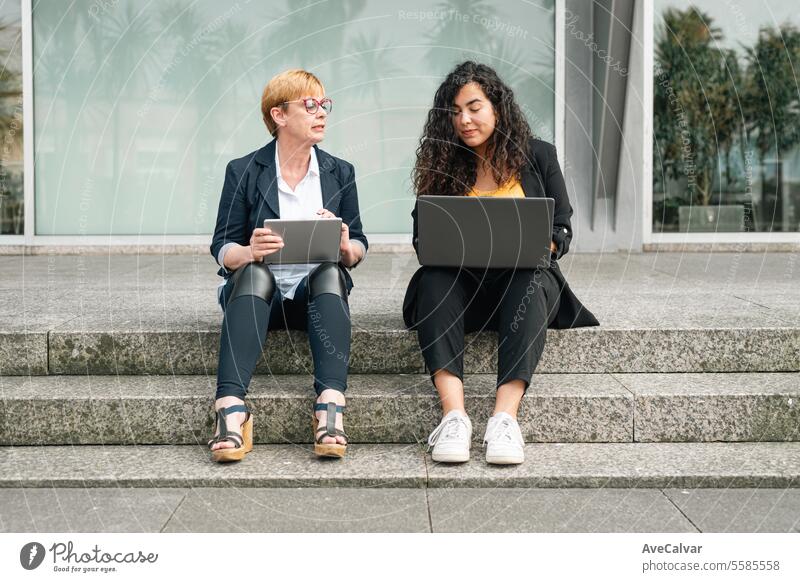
{"x": 451, "y": 391}
{"x": 509, "y": 395}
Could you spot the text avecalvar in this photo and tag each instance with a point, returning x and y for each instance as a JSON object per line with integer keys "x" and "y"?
{"x": 671, "y": 549}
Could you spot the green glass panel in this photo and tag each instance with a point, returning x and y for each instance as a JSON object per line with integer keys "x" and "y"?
{"x": 139, "y": 105}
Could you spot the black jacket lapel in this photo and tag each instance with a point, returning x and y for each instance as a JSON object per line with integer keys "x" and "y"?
{"x": 331, "y": 189}
{"x": 531, "y": 182}
{"x": 267, "y": 184}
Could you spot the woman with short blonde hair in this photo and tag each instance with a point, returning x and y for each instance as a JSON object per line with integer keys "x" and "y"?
{"x": 288, "y": 178}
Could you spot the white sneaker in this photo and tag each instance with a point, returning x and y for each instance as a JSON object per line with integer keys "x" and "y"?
{"x": 450, "y": 440}
{"x": 503, "y": 440}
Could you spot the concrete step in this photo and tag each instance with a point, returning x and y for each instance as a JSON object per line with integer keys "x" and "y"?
{"x": 626, "y": 465}
{"x": 381, "y": 347}
{"x": 397, "y": 408}
{"x": 660, "y": 312}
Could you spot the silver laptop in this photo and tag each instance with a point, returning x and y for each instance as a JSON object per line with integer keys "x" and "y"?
{"x": 306, "y": 241}
{"x": 484, "y": 232}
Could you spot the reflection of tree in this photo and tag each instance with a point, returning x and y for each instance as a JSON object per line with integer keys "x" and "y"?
{"x": 125, "y": 64}
{"x": 91, "y": 68}
{"x": 59, "y": 65}
{"x": 10, "y": 81}
{"x": 366, "y": 68}
{"x": 245, "y": 58}
{"x": 527, "y": 75}
{"x": 771, "y": 103}
{"x": 316, "y": 33}
{"x": 728, "y": 115}
{"x": 707, "y": 105}
{"x": 192, "y": 53}
{"x": 508, "y": 60}
{"x": 456, "y": 28}
{"x": 695, "y": 91}
{"x": 64, "y": 70}
{"x": 193, "y": 73}
{"x": 11, "y": 210}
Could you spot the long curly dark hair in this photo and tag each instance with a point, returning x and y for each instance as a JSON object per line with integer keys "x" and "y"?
{"x": 445, "y": 164}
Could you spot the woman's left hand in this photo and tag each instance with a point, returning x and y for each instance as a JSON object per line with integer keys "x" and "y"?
{"x": 344, "y": 243}
{"x": 346, "y": 248}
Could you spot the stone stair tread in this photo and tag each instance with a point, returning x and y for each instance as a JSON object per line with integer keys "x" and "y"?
{"x": 547, "y": 465}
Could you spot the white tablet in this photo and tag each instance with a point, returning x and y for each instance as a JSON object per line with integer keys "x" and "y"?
{"x": 306, "y": 241}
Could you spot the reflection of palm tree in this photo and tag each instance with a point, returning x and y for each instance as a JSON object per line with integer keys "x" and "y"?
{"x": 56, "y": 59}
{"x": 728, "y": 120}
{"x": 451, "y": 31}
{"x": 193, "y": 59}
{"x": 245, "y": 55}
{"x": 308, "y": 35}
{"x": 367, "y": 66}
{"x": 121, "y": 65}
{"x": 516, "y": 66}
{"x": 201, "y": 58}
{"x": 63, "y": 76}
{"x": 191, "y": 54}
{"x": 507, "y": 60}
{"x": 772, "y": 108}
{"x": 10, "y": 118}
{"x": 687, "y": 53}
{"x": 529, "y": 77}
{"x": 10, "y": 84}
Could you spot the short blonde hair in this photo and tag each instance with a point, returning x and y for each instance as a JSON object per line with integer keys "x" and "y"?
{"x": 287, "y": 86}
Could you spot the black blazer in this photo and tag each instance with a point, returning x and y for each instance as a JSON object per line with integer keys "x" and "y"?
{"x": 250, "y": 195}
{"x": 540, "y": 178}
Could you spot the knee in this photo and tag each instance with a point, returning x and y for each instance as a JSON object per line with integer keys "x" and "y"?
{"x": 327, "y": 278}
{"x": 254, "y": 279}
{"x": 527, "y": 282}
{"x": 440, "y": 290}
{"x": 438, "y": 278}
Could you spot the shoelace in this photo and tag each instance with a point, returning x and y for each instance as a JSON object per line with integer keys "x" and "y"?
{"x": 447, "y": 429}
{"x": 502, "y": 429}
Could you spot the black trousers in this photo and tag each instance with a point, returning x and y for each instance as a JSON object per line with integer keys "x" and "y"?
{"x": 518, "y": 304}
{"x": 247, "y": 319}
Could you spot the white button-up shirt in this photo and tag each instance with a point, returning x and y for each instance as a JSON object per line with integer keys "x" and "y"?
{"x": 301, "y": 203}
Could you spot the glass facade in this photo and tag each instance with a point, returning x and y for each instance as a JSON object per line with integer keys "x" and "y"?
{"x": 140, "y": 105}
{"x": 726, "y": 121}
{"x": 12, "y": 209}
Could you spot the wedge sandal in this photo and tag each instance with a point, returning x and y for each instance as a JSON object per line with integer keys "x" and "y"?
{"x": 329, "y": 430}
{"x": 243, "y": 440}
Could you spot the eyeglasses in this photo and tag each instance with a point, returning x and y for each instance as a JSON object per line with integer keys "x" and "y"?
{"x": 312, "y": 104}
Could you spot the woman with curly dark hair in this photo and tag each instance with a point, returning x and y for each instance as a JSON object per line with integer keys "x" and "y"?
{"x": 477, "y": 142}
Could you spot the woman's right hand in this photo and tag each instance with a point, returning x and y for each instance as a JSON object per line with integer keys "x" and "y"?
{"x": 264, "y": 242}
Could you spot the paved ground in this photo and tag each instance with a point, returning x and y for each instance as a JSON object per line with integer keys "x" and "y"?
{"x": 399, "y": 510}
{"x": 665, "y": 290}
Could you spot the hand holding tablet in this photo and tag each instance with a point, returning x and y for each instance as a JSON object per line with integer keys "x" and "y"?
{"x": 264, "y": 242}
{"x": 302, "y": 241}
{"x": 344, "y": 243}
